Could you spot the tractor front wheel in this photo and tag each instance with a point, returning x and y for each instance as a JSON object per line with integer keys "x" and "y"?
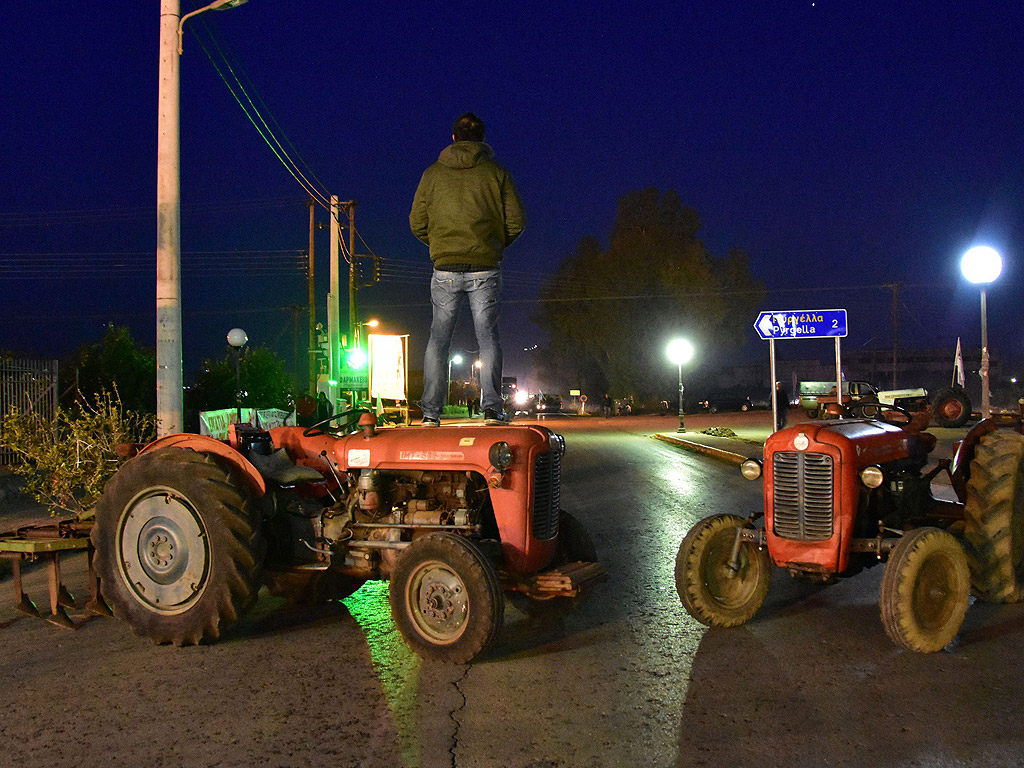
{"x": 711, "y": 590}
{"x": 178, "y": 547}
{"x": 994, "y": 518}
{"x": 925, "y": 589}
{"x": 446, "y": 598}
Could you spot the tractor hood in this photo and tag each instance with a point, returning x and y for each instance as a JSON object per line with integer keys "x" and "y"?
{"x": 864, "y": 440}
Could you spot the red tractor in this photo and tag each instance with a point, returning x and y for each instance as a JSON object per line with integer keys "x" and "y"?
{"x": 846, "y": 494}
{"x": 188, "y": 530}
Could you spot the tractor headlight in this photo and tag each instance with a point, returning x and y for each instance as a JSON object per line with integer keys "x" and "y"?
{"x": 872, "y": 476}
{"x": 751, "y": 469}
{"x": 500, "y": 455}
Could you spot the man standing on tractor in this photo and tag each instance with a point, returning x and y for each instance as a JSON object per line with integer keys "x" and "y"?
{"x": 467, "y": 209}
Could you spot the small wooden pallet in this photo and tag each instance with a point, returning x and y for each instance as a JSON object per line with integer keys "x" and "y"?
{"x": 567, "y": 580}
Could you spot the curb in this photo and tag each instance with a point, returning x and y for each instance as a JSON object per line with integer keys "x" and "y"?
{"x": 716, "y": 453}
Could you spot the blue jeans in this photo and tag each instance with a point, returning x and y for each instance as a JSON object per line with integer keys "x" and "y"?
{"x": 447, "y": 291}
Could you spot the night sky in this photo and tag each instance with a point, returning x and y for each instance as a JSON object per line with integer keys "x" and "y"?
{"x": 843, "y": 145}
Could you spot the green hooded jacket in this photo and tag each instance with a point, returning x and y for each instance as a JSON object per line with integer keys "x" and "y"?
{"x": 466, "y": 207}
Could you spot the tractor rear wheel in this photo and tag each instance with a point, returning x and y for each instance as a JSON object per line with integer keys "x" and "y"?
{"x": 178, "y": 546}
{"x": 925, "y": 589}
{"x": 711, "y": 591}
{"x": 950, "y": 407}
{"x": 994, "y": 524}
{"x": 446, "y": 598}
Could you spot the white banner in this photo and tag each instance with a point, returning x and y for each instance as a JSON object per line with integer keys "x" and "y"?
{"x": 387, "y": 366}
{"x": 215, "y": 423}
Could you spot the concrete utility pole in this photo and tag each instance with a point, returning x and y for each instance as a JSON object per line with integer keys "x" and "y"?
{"x": 169, "y": 407}
{"x": 311, "y": 279}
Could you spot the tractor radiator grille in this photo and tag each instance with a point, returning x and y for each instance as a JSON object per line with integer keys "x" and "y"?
{"x": 802, "y": 485}
{"x": 547, "y": 471}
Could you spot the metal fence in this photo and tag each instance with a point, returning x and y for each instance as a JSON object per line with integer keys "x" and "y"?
{"x": 28, "y": 385}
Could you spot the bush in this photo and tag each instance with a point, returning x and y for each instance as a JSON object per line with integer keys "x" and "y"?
{"x": 67, "y": 462}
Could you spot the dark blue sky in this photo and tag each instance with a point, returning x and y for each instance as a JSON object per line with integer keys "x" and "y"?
{"x": 843, "y": 145}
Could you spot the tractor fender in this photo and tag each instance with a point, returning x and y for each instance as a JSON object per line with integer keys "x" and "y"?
{"x": 210, "y": 445}
{"x": 960, "y": 469}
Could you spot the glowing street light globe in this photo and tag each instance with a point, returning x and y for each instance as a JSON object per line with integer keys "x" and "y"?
{"x": 981, "y": 264}
{"x": 237, "y": 338}
{"x": 680, "y": 351}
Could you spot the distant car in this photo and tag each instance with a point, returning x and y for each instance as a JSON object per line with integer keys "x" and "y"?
{"x": 539, "y": 404}
{"x": 730, "y": 403}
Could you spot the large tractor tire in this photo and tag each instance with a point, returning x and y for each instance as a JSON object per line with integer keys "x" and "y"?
{"x": 712, "y": 592}
{"x": 178, "y": 546}
{"x": 446, "y": 598}
{"x": 951, "y": 407}
{"x": 925, "y": 589}
{"x": 994, "y": 524}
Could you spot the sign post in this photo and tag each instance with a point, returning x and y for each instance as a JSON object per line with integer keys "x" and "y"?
{"x": 801, "y": 324}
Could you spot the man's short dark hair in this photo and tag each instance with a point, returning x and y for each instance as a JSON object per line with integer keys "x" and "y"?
{"x": 468, "y": 127}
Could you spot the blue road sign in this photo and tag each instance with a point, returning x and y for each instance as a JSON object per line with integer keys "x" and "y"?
{"x": 801, "y": 324}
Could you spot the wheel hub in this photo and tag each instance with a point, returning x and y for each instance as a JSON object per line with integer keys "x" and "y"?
{"x": 440, "y": 603}
{"x": 164, "y": 553}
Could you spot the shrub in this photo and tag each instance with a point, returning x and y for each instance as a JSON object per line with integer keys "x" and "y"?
{"x": 67, "y": 461}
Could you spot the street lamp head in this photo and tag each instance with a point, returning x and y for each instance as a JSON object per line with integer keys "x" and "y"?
{"x": 981, "y": 264}
{"x": 680, "y": 351}
{"x": 478, "y": 364}
{"x": 237, "y": 338}
{"x": 371, "y": 323}
{"x": 457, "y": 359}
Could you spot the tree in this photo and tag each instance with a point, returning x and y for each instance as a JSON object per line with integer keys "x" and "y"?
{"x": 264, "y": 382}
{"x": 115, "y": 363}
{"x": 67, "y": 460}
{"x": 610, "y": 313}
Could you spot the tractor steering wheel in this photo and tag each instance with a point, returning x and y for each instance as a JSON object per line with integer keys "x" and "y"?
{"x": 339, "y": 424}
{"x": 881, "y": 412}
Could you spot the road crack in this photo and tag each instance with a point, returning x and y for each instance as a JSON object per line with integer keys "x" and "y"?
{"x": 453, "y": 715}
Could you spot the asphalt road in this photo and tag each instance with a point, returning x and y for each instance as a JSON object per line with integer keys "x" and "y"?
{"x": 628, "y": 679}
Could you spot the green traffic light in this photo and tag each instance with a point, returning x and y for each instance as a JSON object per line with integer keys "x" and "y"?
{"x": 355, "y": 358}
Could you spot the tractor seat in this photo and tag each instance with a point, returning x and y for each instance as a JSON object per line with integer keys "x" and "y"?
{"x": 280, "y": 469}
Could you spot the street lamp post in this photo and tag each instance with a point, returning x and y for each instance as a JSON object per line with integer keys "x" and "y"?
{"x": 237, "y": 338}
{"x": 169, "y": 405}
{"x": 680, "y": 352}
{"x": 457, "y": 359}
{"x": 981, "y": 265}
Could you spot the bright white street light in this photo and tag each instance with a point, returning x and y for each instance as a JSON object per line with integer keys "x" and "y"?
{"x": 981, "y": 264}
{"x": 680, "y": 352}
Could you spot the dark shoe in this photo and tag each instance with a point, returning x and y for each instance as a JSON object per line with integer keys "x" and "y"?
{"x": 429, "y": 422}
{"x": 494, "y": 418}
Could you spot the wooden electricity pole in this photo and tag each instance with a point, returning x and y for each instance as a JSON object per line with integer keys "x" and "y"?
{"x": 313, "y": 364}
{"x": 895, "y": 288}
{"x": 353, "y": 320}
